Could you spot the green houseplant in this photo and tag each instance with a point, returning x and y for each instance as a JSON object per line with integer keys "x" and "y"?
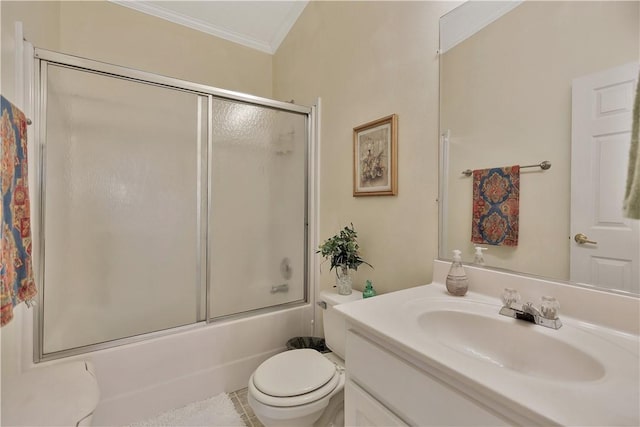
{"x": 342, "y": 251}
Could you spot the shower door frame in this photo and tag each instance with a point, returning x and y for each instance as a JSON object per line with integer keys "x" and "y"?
{"x": 43, "y": 58}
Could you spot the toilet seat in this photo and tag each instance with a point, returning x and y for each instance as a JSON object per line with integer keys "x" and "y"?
{"x": 294, "y": 378}
{"x": 302, "y": 399}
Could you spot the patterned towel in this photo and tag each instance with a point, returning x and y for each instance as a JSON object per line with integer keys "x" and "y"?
{"x": 16, "y": 273}
{"x": 496, "y": 195}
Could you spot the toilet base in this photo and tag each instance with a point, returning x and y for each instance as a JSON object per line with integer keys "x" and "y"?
{"x": 333, "y": 415}
{"x": 325, "y": 415}
{"x": 271, "y": 416}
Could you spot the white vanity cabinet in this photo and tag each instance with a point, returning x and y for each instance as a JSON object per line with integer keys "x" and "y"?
{"x": 362, "y": 409}
{"x": 422, "y": 357}
{"x": 385, "y": 389}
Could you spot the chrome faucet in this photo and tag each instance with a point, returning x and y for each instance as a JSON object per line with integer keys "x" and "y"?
{"x": 546, "y": 316}
{"x": 529, "y": 308}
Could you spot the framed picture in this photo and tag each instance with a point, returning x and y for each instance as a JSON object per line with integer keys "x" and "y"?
{"x": 375, "y": 152}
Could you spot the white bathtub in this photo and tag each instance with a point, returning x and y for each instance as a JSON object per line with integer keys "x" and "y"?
{"x": 139, "y": 380}
{"x": 142, "y": 379}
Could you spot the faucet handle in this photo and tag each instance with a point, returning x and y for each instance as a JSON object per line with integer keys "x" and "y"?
{"x": 510, "y": 296}
{"x": 549, "y": 307}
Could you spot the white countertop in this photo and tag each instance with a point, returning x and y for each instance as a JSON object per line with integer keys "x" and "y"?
{"x": 609, "y": 399}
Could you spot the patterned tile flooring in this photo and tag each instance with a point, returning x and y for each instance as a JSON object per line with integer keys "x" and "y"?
{"x": 239, "y": 399}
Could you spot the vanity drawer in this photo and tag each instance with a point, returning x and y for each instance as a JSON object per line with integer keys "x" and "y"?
{"x": 410, "y": 392}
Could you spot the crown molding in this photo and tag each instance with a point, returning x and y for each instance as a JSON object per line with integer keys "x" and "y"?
{"x": 269, "y": 47}
{"x": 469, "y": 18}
{"x": 287, "y": 24}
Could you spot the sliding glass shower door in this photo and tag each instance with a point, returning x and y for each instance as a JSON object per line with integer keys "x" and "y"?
{"x": 123, "y": 196}
{"x": 258, "y": 208}
{"x": 163, "y": 203}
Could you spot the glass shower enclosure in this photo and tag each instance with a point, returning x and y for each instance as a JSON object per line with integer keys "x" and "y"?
{"x": 162, "y": 203}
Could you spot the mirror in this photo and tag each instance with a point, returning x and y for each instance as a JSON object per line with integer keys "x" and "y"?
{"x": 525, "y": 82}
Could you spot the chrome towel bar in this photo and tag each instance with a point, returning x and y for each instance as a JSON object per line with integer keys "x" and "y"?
{"x": 542, "y": 165}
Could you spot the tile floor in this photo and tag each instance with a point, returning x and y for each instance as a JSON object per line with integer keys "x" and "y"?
{"x": 239, "y": 399}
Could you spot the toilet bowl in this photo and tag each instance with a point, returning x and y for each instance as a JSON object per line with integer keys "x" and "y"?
{"x": 305, "y": 387}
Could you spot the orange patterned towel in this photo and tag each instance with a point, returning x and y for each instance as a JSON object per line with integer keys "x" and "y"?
{"x": 496, "y": 195}
{"x": 16, "y": 272}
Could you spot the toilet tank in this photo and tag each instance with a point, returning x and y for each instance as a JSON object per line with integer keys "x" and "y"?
{"x": 334, "y": 323}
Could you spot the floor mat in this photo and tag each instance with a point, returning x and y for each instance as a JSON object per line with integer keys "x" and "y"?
{"x": 217, "y": 411}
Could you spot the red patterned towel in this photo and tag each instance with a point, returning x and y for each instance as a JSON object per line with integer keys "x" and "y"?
{"x": 496, "y": 195}
{"x": 16, "y": 273}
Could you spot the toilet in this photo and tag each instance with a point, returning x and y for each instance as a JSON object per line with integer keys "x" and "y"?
{"x": 305, "y": 387}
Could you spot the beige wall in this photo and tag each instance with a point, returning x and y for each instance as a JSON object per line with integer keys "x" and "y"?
{"x": 506, "y": 98}
{"x": 40, "y": 22}
{"x": 367, "y": 60}
{"x": 111, "y": 33}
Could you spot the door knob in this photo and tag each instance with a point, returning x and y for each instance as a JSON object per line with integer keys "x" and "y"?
{"x": 582, "y": 239}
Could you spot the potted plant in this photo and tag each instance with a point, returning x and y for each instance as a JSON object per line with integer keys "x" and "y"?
{"x": 342, "y": 250}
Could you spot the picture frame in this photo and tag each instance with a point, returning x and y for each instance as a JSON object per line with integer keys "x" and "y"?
{"x": 375, "y": 157}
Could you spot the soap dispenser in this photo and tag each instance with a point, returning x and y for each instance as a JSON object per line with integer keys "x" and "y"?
{"x": 478, "y": 258}
{"x": 368, "y": 290}
{"x": 457, "y": 280}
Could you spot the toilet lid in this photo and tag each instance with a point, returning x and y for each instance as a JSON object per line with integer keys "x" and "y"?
{"x": 293, "y": 373}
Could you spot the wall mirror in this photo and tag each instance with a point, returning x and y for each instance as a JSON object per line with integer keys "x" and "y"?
{"x": 524, "y": 82}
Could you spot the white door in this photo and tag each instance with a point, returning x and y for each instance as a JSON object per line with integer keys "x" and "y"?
{"x": 601, "y": 135}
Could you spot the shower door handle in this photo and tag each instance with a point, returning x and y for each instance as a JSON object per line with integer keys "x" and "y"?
{"x": 279, "y": 288}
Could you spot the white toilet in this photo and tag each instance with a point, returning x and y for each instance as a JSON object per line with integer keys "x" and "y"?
{"x": 304, "y": 387}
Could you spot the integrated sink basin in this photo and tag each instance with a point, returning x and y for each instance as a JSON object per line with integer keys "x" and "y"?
{"x": 510, "y": 344}
{"x": 584, "y": 373}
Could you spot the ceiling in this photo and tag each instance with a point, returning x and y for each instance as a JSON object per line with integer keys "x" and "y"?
{"x": 260, "y": 25}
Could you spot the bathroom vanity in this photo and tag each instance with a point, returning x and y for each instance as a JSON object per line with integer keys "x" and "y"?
{"x": 384, "y": 382}
{"x": 423, "y": 357}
